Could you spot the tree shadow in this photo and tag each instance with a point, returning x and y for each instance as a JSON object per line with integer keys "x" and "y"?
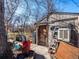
{"x": 8, "y": 54}
{"x": 38, "y": 56}
{"x": 9, "y": 51}
{"x": 35, "y": 56}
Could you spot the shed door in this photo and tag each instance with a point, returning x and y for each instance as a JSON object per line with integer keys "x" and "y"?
{"x": 42, "y": 35}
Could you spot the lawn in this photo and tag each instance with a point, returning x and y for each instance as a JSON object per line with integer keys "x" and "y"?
{"x": 12, "y": 35}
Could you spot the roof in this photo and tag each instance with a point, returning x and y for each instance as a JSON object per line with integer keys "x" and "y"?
{"x": 71, "y": 13}
{"x": 60, "y": 13}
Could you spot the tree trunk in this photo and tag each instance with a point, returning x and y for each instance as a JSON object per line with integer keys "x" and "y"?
{"x": 3, "y": 36}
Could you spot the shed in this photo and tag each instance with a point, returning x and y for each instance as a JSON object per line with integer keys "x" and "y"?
{"x": 62, "y": 25}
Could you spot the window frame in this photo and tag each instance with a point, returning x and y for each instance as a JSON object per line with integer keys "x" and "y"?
{"x": 64, "y": 39}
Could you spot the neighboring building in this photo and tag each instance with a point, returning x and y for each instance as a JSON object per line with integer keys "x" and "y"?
{"x": 62, "y": 25}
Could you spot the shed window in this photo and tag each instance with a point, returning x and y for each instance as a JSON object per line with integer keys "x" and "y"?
{"x": 64, "y": 34}
{"x": 61, "y": 34}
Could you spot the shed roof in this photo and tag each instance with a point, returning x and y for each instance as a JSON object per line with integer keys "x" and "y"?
{"x": 70, "y": 13}
{"x": 59, "y": 13}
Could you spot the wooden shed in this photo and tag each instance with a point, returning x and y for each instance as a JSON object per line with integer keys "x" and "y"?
{"x": 63, "y": 25}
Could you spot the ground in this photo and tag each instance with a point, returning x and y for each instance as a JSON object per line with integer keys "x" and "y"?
{"x": 64, "y": 51}
{"x": 41, "y": 51}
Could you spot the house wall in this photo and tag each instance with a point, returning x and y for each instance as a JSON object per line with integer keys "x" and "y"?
{"x": 78, "y": 30}
{"x": 36, "y": 35}
{"x": 49, "y": 34}
{"x": 55, "y": 17}
{"x": 61, "y": 16}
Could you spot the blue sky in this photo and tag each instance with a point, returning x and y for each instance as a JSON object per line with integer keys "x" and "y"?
{"x": 60, "y": 5}
{"x": 67, "y": 5}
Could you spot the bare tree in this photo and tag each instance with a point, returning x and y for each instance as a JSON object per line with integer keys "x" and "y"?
{"x": 3, "y": 36}
{"x": 10, "y": 9}
{"x": 12, "y": 6}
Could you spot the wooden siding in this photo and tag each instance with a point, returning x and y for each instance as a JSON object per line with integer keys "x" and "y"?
{"x": 66, "y": 51}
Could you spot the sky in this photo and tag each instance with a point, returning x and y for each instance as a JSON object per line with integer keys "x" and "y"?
{"x": 23, "y": 10}
{"x": 60, "y": 6}
{"x": 67, "y": 5}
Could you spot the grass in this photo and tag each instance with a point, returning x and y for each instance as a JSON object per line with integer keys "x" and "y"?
{"x": 13, "y": 35}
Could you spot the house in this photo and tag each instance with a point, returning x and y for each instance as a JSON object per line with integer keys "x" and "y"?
{"x": 62, "y": 25}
